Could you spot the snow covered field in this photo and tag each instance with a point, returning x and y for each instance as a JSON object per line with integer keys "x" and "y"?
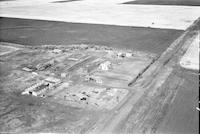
{"x": 111, "y": 12}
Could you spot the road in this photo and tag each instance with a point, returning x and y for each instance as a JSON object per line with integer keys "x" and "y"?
{"x": 166, "y": 106}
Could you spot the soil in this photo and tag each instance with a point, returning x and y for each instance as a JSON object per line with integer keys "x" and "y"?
{"x": 35, "y": 32}
{"x": 168, "y": 106}
{"x": 35, "y": 97}
{"x": 166, "y": 2}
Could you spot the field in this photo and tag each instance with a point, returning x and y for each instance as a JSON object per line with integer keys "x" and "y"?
{"x": 166, "y": 2}
{"x": 35, "y": 32}
{"x": 99, "y": 66}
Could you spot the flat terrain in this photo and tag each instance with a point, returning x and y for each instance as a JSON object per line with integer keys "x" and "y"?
{"x": 103, "y": 12}
{"x": 35, "y": 32}
{"x": 170, "y": 108}
{"x": 183, "y": 117}
{"x": 122, "y": 76}
{"x": 166, "y": 2}
{"x": 86, "y": 81}
{"x": 163, "y": 100}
